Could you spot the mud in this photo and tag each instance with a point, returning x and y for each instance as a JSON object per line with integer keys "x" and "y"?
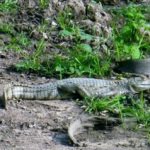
{"x": 27, "y": 125}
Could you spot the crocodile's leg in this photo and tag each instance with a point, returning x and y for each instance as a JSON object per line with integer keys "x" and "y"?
{"x": 75, "y": 88}
{"x": 109, "y": 91}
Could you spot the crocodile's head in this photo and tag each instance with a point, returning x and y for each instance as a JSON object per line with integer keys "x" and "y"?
{"x": 141, "y": 85}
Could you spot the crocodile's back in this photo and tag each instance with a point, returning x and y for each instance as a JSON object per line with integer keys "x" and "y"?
{"x": 87, "y": 82}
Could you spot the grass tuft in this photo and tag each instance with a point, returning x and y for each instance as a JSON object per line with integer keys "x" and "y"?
{"x": 121, "y": 106}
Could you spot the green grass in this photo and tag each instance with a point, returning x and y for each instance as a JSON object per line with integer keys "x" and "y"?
{"x": 77, "y": 60}
{"x": 6, "y": 28}
{"x": 8, "y": 5}
{"x": 129, "y": 42}
{"x": 121, "y": 106}
{"x": 80, "y": 59}
{"x": 31, "y": 60}
{"x": 44, "y": 3}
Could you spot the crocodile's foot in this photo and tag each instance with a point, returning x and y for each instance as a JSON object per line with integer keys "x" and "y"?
{"x": 79, "y": 125}
{"x": 75, "y": 88}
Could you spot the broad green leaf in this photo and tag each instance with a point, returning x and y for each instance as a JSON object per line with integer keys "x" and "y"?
{"x": 85, "y": 36}
{"x": 130, "y": 14}
{"x": 72, "y": 70}
{"x": 86, "y": 47}
{"x": 21, "y": 64}
{"x": 65, "y": 32}
{"x": 135, "y": 52}
{"x": 135, "y": 25}
{"x": 126, "y": 30}
{"x": 59, "y": 68}
{"x": 126, "y": 48}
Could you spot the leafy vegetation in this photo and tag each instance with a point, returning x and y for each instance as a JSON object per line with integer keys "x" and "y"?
{"x": 8, "y": 5}
{"x": 79, "y": 59}
{"x": 43, "y": 3}
{"x": 120, "y": 105}
{"x": 129, "y": 42}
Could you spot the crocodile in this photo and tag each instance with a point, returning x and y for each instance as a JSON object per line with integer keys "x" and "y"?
{"x": 75, "y": 87}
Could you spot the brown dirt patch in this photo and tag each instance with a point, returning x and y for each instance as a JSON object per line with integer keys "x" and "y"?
{"x": 43, "y": 125}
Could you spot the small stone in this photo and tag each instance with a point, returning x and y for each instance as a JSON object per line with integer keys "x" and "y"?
{"x": 32, "y": 125}
{"x": 45, "y": 35}
{"x": 54, "y": 23}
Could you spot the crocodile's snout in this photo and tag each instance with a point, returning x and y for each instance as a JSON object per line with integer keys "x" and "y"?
{"x": 143, "y": 85}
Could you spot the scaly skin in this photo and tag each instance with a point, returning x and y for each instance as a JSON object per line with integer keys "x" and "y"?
{"x": 68, "y": 88}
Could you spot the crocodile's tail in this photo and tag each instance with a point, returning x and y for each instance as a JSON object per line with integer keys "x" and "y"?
{"x": 7, "y": 94}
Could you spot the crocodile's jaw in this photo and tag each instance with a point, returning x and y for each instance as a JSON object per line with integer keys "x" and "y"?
{"x": 143, "y": 85}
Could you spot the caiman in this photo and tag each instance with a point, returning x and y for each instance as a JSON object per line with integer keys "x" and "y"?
{"x": 74, "y": 87}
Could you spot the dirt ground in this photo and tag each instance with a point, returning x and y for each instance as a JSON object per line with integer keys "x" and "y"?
{"x": 43, "y": 124}
{"x": 37, "y": 125}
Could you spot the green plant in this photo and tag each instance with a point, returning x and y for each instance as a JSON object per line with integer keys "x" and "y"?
{"x": 107, "y": 103}
{"x": 148, "y": 136}
{"x": 20, "y": 39}
{"x": 80, "y": 60}
{"x": 128, "y": 40}
{"x": 64, "y": 20}
{"x": 31, "y": 60}
{"x": 44, "y": 3}
{"x": 76, "y": 60}
{"x": 6, "y": 28}
{"x": 68, "y": 28}
{"x": 17, "y": 42}
{"x": 121, "y": 106}
{"x": 8, "y": 5}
